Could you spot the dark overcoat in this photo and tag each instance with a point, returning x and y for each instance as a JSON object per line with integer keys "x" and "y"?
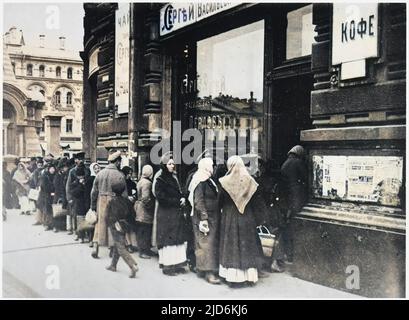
{"x": 170, "y": 220}
{"x": 294, "y": 179}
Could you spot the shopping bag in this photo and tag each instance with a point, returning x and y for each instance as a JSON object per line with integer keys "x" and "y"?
{"x": 91, "y": 217}
{"x": 268, "y": 240}
{"x": 33, "y": 194}
{"x": 83, "y": 225}
{"x": 58, "y": 210}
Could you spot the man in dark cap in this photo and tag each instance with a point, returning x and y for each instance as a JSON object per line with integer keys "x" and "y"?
{"x": 33, "y": 164}
{"x": 35, "y": 184}
{"x": 79, "y": 161}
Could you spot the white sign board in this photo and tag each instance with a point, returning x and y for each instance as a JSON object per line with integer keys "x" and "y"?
{"x": 174, "y": 16}
{"x": 354, "y": 32}
{"x": 122, "y": 26}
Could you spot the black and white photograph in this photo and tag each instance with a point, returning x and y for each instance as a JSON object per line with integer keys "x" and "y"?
{"x": 203, "y": 150}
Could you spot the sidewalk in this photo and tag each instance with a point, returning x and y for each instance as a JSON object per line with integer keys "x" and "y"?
{"x": 31, "y": 256}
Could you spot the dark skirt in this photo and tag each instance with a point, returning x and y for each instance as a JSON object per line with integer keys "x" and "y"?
{"x": 240, "y": 246}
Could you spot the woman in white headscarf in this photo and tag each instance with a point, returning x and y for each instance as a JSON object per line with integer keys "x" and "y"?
{"x": 241, "y": 254}
{"x": 205, "y": 219}
{"x": 144, "y": 208}
{"x": 22, "y": 177}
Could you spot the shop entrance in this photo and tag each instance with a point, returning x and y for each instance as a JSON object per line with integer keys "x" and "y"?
{"x": 291, "y": 114}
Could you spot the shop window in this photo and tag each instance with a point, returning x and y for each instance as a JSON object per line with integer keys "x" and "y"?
{"x": 58, "y": 72}
{"x": 69, "y": 73}
{"x": 69, "y": 98}
{"x": 57, "y": 97}
{"x": 30, "y": 70}
{"x": 42, "y": 71}
{"x": 68, "y": 126}
{"x": 226, "y": 77}
{"x": 300, "y": 32}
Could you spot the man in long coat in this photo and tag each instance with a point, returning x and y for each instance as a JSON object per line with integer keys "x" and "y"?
{"x": 101, "y": 194}
{"x": 72, "y": 174}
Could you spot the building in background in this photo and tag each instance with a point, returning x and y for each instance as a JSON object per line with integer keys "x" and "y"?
{"x": 53, "y": 76}
{"x": 331, "y": 77}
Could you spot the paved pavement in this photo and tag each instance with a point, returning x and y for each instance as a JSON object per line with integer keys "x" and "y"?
{"x": 44, "y": 264}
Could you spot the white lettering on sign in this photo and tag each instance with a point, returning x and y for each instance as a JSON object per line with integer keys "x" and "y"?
{"x": 122, "y": 30}
{"x": 175, "y": 16}
{"x": 354, "y": 32}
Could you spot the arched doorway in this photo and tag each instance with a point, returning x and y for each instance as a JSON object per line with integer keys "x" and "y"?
{"x": 10, "y": 143}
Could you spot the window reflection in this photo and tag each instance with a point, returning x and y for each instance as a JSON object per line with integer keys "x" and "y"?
{"x": 230, "y": 66}
{"x": 300, "y": 32}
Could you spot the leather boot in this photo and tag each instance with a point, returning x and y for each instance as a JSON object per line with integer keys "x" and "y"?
{"x": 111, "y": 268}
{"x": 94, "y": 253}
{"x": 134, "y": 270}
{"x": 212, "y": 279}
{"x": 275, "y": 267}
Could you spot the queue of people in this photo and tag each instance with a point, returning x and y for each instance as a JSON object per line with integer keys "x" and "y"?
{"x": 208, "y": 224}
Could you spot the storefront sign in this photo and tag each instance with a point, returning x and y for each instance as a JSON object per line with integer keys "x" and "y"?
{"x": 122, "y": 25}
{"x": 354, "y": 32}
{"x": 369, "y": 178}
{"x": 175, "y": 16}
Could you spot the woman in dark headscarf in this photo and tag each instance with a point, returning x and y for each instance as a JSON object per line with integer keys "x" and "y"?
{"x": 170, "y": 234}
{"x": 241, "y": 254}
{"x": 47, "y": 194}
{"x": 294, "y": 176}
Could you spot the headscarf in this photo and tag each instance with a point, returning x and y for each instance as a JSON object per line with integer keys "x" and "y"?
{"x": 22, "y": 174}
{"x": 91, "y": 168}
{"x": 238, "y": 183}
{"x": 147, "y": 172}
{"x": 297, "y": 150}
{"x": 203, "y": 173}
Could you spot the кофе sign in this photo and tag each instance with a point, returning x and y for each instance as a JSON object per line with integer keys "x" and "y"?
{"x": 354, "y": 36}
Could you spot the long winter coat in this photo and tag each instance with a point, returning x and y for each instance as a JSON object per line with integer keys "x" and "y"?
{"x": 145, "y": 204}
{"x": 294, "y": 176}
{"x": 46, "y": 196}
{"x": 101, "y": 194}
{"x": 206, "y": 208}
{"x": 60, "y": 181}
{"x": 81, "y": 193}
{"x": 240, "y": 246}
{"x": 170, "y": 220}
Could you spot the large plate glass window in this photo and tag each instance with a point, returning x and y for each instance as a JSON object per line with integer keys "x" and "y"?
{"x": 300, "y": 32}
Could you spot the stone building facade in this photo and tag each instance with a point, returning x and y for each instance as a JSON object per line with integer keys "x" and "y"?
{"x": 54, "y": 77}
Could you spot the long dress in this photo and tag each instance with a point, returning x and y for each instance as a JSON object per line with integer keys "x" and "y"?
{"x": 241, "y": 252}
{"x": 171, "y": 235}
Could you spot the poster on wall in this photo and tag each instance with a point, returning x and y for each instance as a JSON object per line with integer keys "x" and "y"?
{"x": 354, "y": 178}
{"x": 122, "y": 29}
{"x": 334, "y": 176}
